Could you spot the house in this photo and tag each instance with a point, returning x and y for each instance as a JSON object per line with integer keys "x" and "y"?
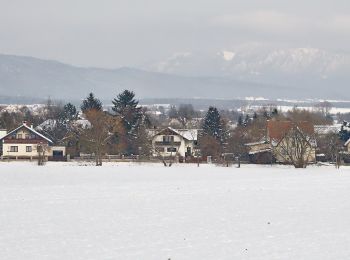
{"x": 260, "y": 152}
{"x": 26, "y": 143}
{"x": 347, "y": 145}
{"x": 272, "y": 147}
{"x": 169, "y": 142}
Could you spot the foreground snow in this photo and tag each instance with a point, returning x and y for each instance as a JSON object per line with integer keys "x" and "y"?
{"x": 124, "y": 211}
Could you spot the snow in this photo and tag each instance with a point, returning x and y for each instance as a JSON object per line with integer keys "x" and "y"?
{"x": 147, "y": 211}
{"x": 228, "y": 55}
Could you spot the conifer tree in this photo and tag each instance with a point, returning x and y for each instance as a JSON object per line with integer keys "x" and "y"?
{"x": 127, "y": 108}
{"x": 134, "y": 120}
{"x": 240, "y": 120}
{"x": 69, "y": 113}
{"x": 344, "y": 133}
{"x": 91, "y": 103}
{"x": 212, "y": 124}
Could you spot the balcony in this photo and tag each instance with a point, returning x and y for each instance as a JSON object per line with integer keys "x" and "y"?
{"x": 168, "y": 143}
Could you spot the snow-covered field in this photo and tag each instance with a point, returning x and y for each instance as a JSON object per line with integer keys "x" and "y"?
{"x": 124, "y": 211}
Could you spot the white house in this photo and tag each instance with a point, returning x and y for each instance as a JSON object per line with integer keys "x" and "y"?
{"x": 170, "y": 142}
{"x": 24, "y": 143}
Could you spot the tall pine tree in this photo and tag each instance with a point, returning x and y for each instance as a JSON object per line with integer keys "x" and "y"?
{"x": 126, "y": 107}
{"x": 213, "y": 125}
{"x": 91, "y": 103}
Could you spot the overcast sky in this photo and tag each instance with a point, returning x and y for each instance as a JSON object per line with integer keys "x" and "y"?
{"x": 114, "y": 33}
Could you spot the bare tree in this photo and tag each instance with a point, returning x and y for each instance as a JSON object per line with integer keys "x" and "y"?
{"x": 236, "y": 143}
{"x": 185, "y": 113}
{"x": 102, "y": 128}
{"x": 42, "y": 150}
{"x": 295, "y": 147}
{"x": 324, "y": 107}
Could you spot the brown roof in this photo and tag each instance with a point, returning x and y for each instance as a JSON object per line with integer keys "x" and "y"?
{"x": 278, "y": 129}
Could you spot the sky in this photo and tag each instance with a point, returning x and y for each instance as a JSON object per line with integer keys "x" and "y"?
{"x": 114, "y": 33}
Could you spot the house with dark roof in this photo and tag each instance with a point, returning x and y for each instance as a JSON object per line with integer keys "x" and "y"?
{"x": 25, "y": 142}
{"x": 170, "y": 142}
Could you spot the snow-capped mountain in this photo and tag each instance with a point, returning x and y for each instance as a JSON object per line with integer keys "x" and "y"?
{"x": 259, "y": 64}
{"x": 228, "y": 74}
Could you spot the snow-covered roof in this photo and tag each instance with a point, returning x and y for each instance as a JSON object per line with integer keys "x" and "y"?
{"x": 188, "y": 134}
{"x": 257, "y": 143}
{"x": 260, "y": 151}
{"x": 48, "y": 124}
{"x": 30, "y": 129}
{"x": 347, "y": 142}
{"x": 327, "y": 129}
{"x": 84, "y": 123}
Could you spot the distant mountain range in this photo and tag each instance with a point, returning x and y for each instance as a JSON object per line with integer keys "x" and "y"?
{"x": 299, "y": 74}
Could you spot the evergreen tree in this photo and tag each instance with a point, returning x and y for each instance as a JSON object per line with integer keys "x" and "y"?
{"x": 134, "y": 120}
{"x": 213, "y": 125}
{"x": 69, "y": 113}
{"x": 91, "y": 103}
{"x": 344, "y": 133}
{"x": 246, "y": 120}
{"x": 274, "y": 112}
{"x": 240, "y": 120}
{"x": 127, "y": 108}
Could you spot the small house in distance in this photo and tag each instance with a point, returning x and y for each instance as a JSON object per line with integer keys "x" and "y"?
{"x": 26, "y": 143}
{"x": 279, "y": 138}
{"x": 347, "y": 145}
{"x": 170, "y": 142}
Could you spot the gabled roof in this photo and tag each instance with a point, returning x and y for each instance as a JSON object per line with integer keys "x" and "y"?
{"x": 188, "y": 134}
{"x": 278, "y": 129}
{"x": 28, "y": 128}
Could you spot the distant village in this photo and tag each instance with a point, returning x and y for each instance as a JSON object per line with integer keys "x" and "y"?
{"x": 127, "y": 131}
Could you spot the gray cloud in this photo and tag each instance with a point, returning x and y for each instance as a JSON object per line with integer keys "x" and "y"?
{"x": 113, "y": 33}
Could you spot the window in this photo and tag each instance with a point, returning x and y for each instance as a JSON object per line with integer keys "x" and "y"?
{"x": 28, "y": 149}
{"x": 160, "y": 149}
{"x": 27, "y": 136}
{"x": 19, "y": 136}
{"x": 14, "y": 149}
{"x": 171, "y": 149}
{"x": 168, "y": 138}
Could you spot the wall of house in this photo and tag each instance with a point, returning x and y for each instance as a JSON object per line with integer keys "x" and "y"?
{"x": 3, "y": 132}
{"x": 310, "y": 155}
{"x": 57, "y": 148}
{"x": 22, "y": 150}
{"x": 179, "y": 143}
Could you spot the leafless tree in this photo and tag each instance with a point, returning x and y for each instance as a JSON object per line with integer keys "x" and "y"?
{"x": 102, "y": 128}
{"x": 295, "y": 147}
{"x": 42, "y": 150}
{"x": 330, "y": 145}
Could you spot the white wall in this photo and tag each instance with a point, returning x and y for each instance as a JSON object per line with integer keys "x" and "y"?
{"x": 181, "y": 150}
{"x": 22, "y": 152}
{"x": 2, "y": 133}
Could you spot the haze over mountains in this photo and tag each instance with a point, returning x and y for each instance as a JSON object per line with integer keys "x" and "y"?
{"x": 283, "y": 73}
